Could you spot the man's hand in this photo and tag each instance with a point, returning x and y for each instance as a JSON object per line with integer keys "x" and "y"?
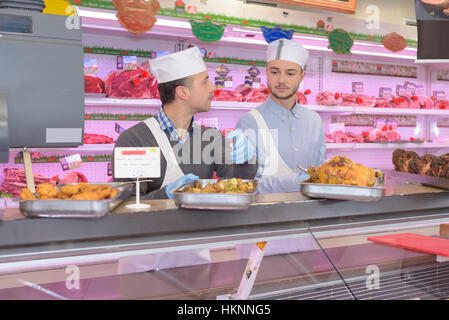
{"x": 243, "y": 150}
{"x": 183, "y": 180}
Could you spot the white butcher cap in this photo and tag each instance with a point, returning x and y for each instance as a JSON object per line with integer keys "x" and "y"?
{"x": 288, "y": 50}
{"x": 178, "y": 65}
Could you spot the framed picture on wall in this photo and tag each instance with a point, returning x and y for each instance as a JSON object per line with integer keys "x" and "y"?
{"x": 345, "y": 6}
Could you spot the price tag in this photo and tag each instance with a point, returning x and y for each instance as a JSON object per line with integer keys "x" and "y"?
{"x": 439, "y": 95}
{"x": 119, "y": 128}
{"x": 119, "y": 62}
{"x": 385, "y": 92}
{"x": 129, "y": 63}
{"x": 210, "y": 122}
{"x": 137, "y": 163}
{"x": 90, "y": 66}
{"x": 219, "y": 82}
{"x": 419, "y": 91}
{"x": 334, "y": 127}
{"x": 400, "y": 90}
{"x": 380, "y": 123}
{"x": 71, "y": 162}
{"x": 410, "y": 87}
{"x": 357, "y": 87}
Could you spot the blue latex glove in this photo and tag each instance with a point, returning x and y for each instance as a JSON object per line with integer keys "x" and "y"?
{"x": 243, "y": 150}
{"x": 183, "y": 180}
{"x": 302, "y": 177}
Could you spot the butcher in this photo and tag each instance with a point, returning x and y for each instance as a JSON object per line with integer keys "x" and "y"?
{"x": 189, "y": 151}
{"x": 283, "y": 132}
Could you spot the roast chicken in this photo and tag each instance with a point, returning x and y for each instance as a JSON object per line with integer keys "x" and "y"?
{"x": 342, "y": 170}
{"x": 428, "y": 164}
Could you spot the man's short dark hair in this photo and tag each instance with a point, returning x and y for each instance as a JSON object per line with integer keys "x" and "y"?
{"x": 167, "y": 89}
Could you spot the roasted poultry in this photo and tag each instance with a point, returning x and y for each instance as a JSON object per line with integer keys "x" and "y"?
{"x": 428, "y": 164}
{"x": 80, "y": 191}
{"x": 342, "y": 170}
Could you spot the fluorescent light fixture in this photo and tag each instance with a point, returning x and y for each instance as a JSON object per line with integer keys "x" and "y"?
{"x": 435, "y": 129}
{"x": 247, "y": 31}
{"x": 111, "y": 16}
{"x": 417, "y": 129}
{"x": 241, "y": 40}
{"x": 387, "y": 55}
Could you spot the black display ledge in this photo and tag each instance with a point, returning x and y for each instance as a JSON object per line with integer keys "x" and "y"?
{"x": 170, "y": 228}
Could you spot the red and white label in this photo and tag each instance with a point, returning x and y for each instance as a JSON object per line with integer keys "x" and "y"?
{"x": 137, "y": 163}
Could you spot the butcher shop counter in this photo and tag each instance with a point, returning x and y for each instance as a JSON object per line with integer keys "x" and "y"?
{"x": 165, "y": 227}
{"x": 30, "y": 245}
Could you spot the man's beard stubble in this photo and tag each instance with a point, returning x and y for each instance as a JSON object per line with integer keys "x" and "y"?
{"x": 291, "y": 94}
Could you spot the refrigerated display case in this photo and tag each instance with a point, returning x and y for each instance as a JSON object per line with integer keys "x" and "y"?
{"x": 332, "y": 256}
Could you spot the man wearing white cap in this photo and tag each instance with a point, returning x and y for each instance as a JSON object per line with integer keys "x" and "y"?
{"x": 288, "y": 133}
{"x": 188, "y": 151}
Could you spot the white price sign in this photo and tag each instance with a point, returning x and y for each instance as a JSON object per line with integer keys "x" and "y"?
{"x": 334, "y": 127}
{"x": 137, "y": 163}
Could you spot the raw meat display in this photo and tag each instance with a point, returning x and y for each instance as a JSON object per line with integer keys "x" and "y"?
{"x": 328, "y": 99}
{"x": 406, "y": 102}
{"x": 426, "y": 102}
{"x": 442, "y": 104}
{"x": 342, "y": 137}
{"x": 137, "y": 84}
{"x": 14, "y": 180}
{"x": 93, "y": 84}
{"x": 226, "y": 95}
{"x": 153, "y": 87}
{"x": 357, "y": 100}
{"x": 384, "y": 134}
{"x": 73, "y": 177}
{"x": 302, "y": 97}
{"x": 90, "y": 138}
{"x": 250, "y": 94}
{"x": 428, "y": 164}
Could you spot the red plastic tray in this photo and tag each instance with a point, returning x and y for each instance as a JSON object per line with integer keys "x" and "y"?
{"x": 417, "y": 242}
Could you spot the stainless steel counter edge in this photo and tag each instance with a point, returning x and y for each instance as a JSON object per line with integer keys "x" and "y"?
{"x": 172, "y": 228}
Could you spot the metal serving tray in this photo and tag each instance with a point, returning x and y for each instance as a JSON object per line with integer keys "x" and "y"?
{"x": 75, "y": 208}
{"x": 344, "y": 192}
{"x": 442, "y": 183}
{"x": 213, "y": 201}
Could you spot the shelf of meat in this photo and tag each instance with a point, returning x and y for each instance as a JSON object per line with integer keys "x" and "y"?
{"x": 139, "y": 88}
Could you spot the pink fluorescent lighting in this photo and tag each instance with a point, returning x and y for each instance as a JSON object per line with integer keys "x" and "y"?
{"x": 112, "y": 17}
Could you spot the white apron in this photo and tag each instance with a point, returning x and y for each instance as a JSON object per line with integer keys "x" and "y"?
{"x": 164, "y": 260}
{"x": 274, "y": 166}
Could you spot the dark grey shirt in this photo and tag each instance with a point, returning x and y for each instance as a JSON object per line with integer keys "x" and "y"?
{"x": 204, "y": 152}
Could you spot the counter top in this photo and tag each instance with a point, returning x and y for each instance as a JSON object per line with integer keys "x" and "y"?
{"x": 163, "y": 226}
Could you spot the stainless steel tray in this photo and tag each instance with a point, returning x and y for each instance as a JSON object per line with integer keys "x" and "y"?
{"x": 213, "y": 201}
{"x": 344, "y": 192}
{"x": 75, "y": 208}
{"x": 442, "y": 183}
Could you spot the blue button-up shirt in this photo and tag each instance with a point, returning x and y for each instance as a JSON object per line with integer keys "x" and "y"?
{"x": 300, "y": 141}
